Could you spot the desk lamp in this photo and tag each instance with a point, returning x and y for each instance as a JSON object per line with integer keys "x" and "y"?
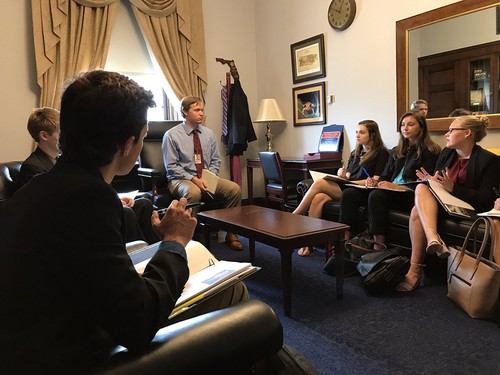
{"x": 269, "y": 111}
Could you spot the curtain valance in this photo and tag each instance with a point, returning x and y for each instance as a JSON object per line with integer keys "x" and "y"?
{"x": 156, "y": 8}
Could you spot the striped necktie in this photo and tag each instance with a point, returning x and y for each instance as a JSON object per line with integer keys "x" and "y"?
{"x": 198, "y": 152}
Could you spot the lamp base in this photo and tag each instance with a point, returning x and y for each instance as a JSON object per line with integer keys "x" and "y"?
{"x": 269, "y": 137}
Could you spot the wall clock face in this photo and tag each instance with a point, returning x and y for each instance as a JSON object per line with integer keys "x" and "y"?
{"x": 341, "y": 13}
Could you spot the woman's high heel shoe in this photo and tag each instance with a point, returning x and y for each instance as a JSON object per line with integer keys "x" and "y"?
{"x": 410, "y": 285}
{"x": 437, "y": 247}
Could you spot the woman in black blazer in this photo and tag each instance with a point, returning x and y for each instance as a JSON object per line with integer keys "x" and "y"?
{"x": 465, "y": 170}
{"x": 415, "y": 150}
{"x": 369, "y": 156}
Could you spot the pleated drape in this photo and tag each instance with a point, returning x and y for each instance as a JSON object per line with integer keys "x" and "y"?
{"x": 174, "y": 32}
{"x": 70, "y": 36}
{"x": 73, "y": 36}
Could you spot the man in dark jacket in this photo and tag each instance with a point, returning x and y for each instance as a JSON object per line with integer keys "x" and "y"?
{"x": 68, "y": 288}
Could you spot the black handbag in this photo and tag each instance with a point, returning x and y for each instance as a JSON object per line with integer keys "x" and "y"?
{"x": 383, "y": 270}
{"x": 355, "y": 248}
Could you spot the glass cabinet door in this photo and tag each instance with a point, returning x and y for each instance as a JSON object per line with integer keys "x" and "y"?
{"x": 479, "y": 86}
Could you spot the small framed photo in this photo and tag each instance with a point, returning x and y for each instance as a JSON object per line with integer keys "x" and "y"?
{"x": 308, "y": 59}
{"x": 309, "y": 104}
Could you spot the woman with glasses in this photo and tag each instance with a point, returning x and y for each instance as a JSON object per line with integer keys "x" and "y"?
{"x": 465, "y": 170}
{"x": 415, "y": 150}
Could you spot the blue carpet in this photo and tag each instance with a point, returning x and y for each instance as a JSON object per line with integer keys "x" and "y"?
{"x": 417, "y": 333}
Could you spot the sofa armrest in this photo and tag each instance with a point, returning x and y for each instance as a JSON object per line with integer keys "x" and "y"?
{"x": 216, "y": 342}
{"x": 303, "y": 186}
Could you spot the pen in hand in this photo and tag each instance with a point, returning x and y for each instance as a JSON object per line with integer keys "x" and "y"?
{"x": 189, "y": 205}
{"x": 366, "y": 172}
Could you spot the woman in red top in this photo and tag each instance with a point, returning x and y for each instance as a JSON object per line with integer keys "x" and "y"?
{"x": 465, "y": 170}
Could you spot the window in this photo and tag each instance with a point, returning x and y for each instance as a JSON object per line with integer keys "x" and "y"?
{"x": 165, "y": 108}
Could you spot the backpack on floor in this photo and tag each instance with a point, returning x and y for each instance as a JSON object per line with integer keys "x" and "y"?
{"x": 383, "y": 270}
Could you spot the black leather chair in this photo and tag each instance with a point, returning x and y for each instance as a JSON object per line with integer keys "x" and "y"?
{"x": 228, "y": 341}
{"x": 151, "y": 167}
{"x": 278, "y": 186}
{"x": 8, "y": 174}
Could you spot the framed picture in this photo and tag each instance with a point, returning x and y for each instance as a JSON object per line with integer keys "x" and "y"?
{"x": 309, "y": 104}
{"x": 308, "y": 59}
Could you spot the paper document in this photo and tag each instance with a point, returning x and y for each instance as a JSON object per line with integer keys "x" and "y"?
{"x": 211, "y": 179}
{"x": 493, "y": 213}
{"x": 453, "y": 205}
{"x": 130, "y": 194}
{"x": 207, "y": 275}
{"x": 377, "y": 187}
{"x": 315, "y": 175}
{"x": 211, "y": 280}
{"x": 198, "y": 258}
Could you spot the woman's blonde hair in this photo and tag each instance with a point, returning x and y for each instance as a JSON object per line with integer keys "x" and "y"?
{"x": 476, "y": 124}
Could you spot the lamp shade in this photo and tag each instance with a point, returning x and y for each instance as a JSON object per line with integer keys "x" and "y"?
{"x": 269, "y": 111}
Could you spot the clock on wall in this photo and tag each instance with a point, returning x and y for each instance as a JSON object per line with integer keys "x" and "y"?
{"x": 341, "y": 13}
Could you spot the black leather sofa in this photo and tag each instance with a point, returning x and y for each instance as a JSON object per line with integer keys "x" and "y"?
{"x": 451, "y": 230}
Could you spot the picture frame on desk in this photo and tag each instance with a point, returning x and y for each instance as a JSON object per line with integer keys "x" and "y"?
{"x": 308, "y": 59}
{"x": 309, "y": 104}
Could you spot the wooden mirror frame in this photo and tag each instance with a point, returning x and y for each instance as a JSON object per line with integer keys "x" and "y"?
{"x": 403, "y": 27}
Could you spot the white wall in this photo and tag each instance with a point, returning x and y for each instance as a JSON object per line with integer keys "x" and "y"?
{"x": 257, "y": 34}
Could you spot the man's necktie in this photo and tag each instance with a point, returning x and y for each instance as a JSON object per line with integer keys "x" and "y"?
{"x": 198, "y": 153}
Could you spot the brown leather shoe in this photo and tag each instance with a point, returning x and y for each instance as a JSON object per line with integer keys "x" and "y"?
{"x": 233, "y": 242}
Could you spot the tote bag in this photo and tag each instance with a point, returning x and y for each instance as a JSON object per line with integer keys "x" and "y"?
{"x": 474, "y": 281}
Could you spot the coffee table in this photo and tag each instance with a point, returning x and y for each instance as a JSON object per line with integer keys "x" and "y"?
{"x": 282, "y": 230}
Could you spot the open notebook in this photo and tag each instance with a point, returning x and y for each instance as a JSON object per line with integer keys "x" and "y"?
{"x": 207, "y": 275}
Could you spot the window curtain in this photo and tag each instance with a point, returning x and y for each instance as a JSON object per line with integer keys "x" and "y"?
{"x": 70, "y": 36}
{"x": 175, "y": 36}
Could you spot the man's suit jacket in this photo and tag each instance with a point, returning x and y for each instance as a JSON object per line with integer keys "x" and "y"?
{"x": 483, "y": 174}
{"x": 38, "y": 162}
{"x": 68, "y": 287}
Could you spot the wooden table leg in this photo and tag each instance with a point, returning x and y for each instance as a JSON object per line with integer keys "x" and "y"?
{"x": 250, "y": 184}
{"x": 286, "y": 277}
{"x": 251, "y": 249}
{"x": 206, "y": 235}
{"x": 339, "y": 265}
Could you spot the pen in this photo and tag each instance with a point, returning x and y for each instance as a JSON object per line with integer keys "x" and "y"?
{"x": 189, "y": 205}
{"x": 366, "y": 172}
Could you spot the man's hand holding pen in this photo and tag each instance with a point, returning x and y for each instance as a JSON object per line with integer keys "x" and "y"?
{"x": 177, "y": 224}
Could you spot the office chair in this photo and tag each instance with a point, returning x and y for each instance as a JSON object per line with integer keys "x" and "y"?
{"x": 278, "y": 187}
{"x": 151, "y": 167}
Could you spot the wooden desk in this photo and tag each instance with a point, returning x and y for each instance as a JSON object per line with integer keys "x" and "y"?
{"x": 292, "y": 164}
{"x": 281, "y": 230}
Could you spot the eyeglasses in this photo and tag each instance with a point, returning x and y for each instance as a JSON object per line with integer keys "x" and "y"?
{"x": 450, "y": 130}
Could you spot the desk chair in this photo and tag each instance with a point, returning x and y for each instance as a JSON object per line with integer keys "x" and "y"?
{"x": 278, "y": 188}
{"x": 151, "y": 167}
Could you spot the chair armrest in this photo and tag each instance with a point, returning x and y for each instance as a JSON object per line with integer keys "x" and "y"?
{"x": 303, "y": 186}
{"x": 216, "y": 342}
{"x": 148, "y": 172}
